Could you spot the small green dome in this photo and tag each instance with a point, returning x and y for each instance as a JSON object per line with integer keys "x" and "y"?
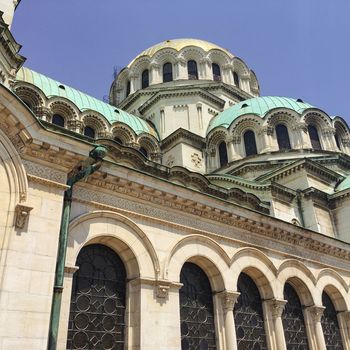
{"x": 83, "y": 101}
{"x": 258, "y": 106}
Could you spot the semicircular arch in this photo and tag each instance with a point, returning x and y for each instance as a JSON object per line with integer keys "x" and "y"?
{"x": 121, "y": 234}
{"x": 204, "y": 252}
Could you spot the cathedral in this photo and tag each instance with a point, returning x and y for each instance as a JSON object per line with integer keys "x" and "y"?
{"x": 188, "y": 205}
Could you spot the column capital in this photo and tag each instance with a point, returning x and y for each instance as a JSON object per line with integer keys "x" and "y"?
{"x": 276, "y": 306}
{"x": 229, "y": 299}
{"x": 316, "y": 312}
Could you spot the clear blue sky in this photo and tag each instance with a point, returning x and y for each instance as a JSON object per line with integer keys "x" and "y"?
{"x": 297, "y": 48}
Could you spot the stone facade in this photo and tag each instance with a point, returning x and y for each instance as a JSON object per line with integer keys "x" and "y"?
{"x": 161, "y": 201}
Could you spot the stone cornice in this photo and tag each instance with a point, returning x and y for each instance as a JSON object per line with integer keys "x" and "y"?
{"x": 182, "y": 135}
{"x": 46, "y": 182}
{"x": 9, "y": 44}
{"x": 309, "y": 165}
{"x": 275, "y": 229}
{"x": 182, "y": 92}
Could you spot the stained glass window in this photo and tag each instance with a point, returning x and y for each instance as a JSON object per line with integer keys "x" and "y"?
{"x": 248, "y": 314}
{"x": 196, "y": 310}
{"x": 97, "y": 310}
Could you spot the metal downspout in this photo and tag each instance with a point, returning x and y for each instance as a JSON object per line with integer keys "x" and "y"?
{"x": 95, "y": 157}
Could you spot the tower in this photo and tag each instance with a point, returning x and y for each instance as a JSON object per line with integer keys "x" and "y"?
{"x": 8, "y": 8}
{"x": 10, "y": 59}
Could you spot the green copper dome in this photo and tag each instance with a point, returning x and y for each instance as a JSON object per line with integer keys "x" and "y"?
{"x": 344, "y": 185}
{"x": 258, "y": 106}
{"x": 83, "y": 101}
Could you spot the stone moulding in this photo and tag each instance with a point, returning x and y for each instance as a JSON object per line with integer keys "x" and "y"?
{"x": 292, "y": 236}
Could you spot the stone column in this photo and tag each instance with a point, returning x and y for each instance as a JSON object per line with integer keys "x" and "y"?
{"x": 181, "y": 69}
{"x": 329, "y": 139}
{"x": 75, "y": 125}
{"x": 233, "y": 148}
{"x": 133, "y": 83}
{"x": 155, "y": 77}
{"x": 206, "y": 71}
{"x": 43, "y": 113}
{"x": 275, "y": 308}
{"x": 245, "y": 83}
{"x": 313, "y": 317}
{"x": 266, "y": 134}
{"x": 228, "y": 302}
{"x": 302, "y": 136}
{"x": 344, "y": 325}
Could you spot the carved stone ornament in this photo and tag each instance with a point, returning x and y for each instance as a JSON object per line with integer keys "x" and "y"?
{"x": 196, "y": 159}
{"x": 277, "y": 307}
{"x": 22, "y": 215}
{"x": 229, "y": 300}
{"x": 162, "y": 291}
{"x": 316, "y": 312}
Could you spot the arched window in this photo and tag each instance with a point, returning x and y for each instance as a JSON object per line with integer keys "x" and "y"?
{"x": 293, "y": 321}
{"x": 196, "y": 309}
{"x": 97, "y": 308}
{"x": 89, "y": 131}
{"x": 216, "y": 72}
{"x": 145, "y": 79}
{"x": 249, "y": 143}
{"x": 192, "y": 70}
{"x": 28, "y": 104}
{"x": 223, "y": 154}
{"x": 248, "y": 314}
{"x": 330, "y": 324}
{"x": 236, "y": 79}
{"x": 338, "y": 140}
{"x": 128, "y": 87}
{"x": 282, "y": 137}
{"x": 144, "y": 151}
{"x": 118, "y": 140}
{"x": 315, "y": 140}
{"x": 58, "y": 120}
{"x": 167, "y": 72}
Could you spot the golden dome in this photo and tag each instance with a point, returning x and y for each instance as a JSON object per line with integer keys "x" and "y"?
{"x": 179, "y": 44}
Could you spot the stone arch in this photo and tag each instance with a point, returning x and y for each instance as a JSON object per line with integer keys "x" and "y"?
{"x": 281, "y": 116}
{"x": 342, "y": 133}
{"x": 334, "y": 285}
{"x": 258, "y": 266}
{"x": 119, "y": 233}
{"x": 316, "y": 117}
{"x": 138, "y": 66}
{"x": 219, "y": 57}
{"x": 149, "y": 143}
{"x": 95, "y": 121}
{"x": 124, "y": 133}
{"x": 14, "y": 169}
{"x": 205, "y": 253}
{"x": 301, "y": 278}
{"x": 254, "y": 83}
{"x": 216, "y": 136}
{"x": 240, "y": 67}
{"x": 165, "y": 55}
{"x": 63, "y": 107}
{"x": 192, "y": 53}
{"x": 30, "y": 94}
{"x": 244, "y": 123}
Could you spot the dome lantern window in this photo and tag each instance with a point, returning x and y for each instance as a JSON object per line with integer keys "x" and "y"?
{"x": 216, "y": 72}
{"x": 167, "y": 72}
